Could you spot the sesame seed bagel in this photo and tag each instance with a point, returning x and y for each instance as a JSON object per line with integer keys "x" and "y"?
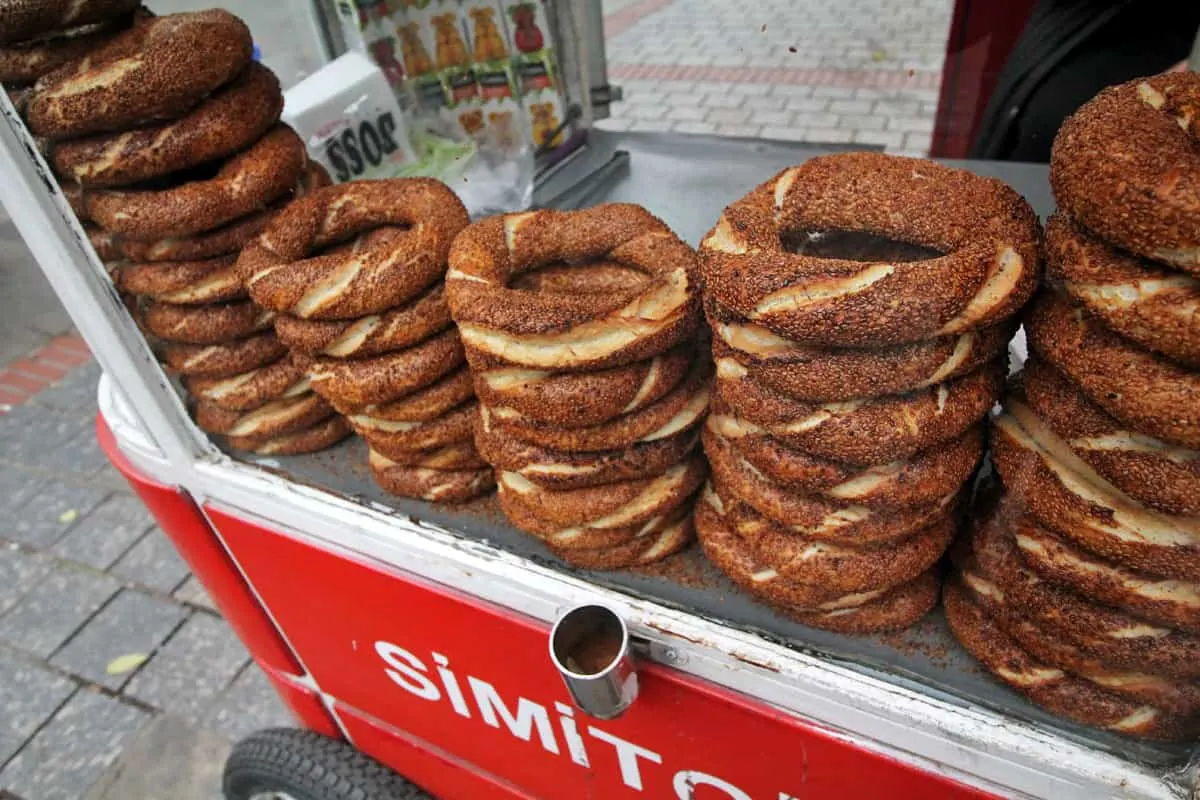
{"x": 284, "y": 273}
{"x": 868, "y": 431}
{"x": 29, "y": 19}
{"x": 555, "y": 469}
{"x": 422, "y": 405}
{"x": 434, "y": 485}
{"x": 277, "y": 418}
{"x": 382, "y": 379}
{"x": 582, "y": 399}
{"x": 223, "y": 360}
{"x": 254, "y": 389}
{"x": 1075, "y": 501}
{"x": 988, "y": 233}
{"x": 452, "y": 457}
{"x": 1155, "y": 307}
{"x": 232, "y": 119}
{"x": 1120, "y": 639}
{"x": 645, "y": 549}
{"x": 215, "y": 280}
{"x": 1049, "y": 687}
{"x": 682, "y": 409}
{"x": 157, "y": 70}
{"x": 813, "y": 516}
{"x": 393, "y": 439}
{"x": 809, "y": 604}
{"x": 104, "y": 243}
{"x": 541, "y": 511}
{"x": 24, "y": 62}
{"x": 246, "y": 183}
{"x": 651, "y": 306}
{"x": 1160, "y": 475}
{"x": 1147, "y": 392}
{"x": 320, "y": 436}
{"x": 926, "y": 478}
{"x": 210, "y": 324}
{"x": 1125, "y": 166}
{"x": 1170, "y": 603}
{"x": 818, "y": 374}
{"x": 372, "y": 335}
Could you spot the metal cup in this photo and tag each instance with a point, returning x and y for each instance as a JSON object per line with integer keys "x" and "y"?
{"x": 589, "y": 646}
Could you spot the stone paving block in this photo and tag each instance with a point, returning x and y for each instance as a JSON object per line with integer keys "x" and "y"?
{"x": 862, "y": 122}
{"x": 45, "y": 518}
{"x": 194, "y": 666}
{"x": 29, "y": 695}
{"x": 54, "y": 609}
{"x": 133, "y": 623}
{"x": 739, "y": 130}
{"x": 918, "y": 141}
{"x": 34, "y": 436}
{"x": 889, "y": 139}
{"x": 829, "y": 135}
{"x": 20, "y": 571}
{"x": 81, "y": 456}
{"x": 250, "y": 704}
{"x": 723, "y": 100}
{"x": 786, "y": 134}
{"x": 728, "y": 116}
{"x": 170, "y": 758}
{"x": 910, "y": 124}
{"x": 193, "y": 593}
{"x": 74, "y": 393}
{"x": 775, "y": 118}
{"x": 850, "y": 107}
{"x": 17, "y": 486}
{"x": 153, "y": 562}
{"x": 764, "y": 102}
{"x": 100, "y": 538}
{"x": 687, "y": 113}
{"x": 696, "y": 128}
{"x": 815, "y": 120}
{"x": 68, "y": 755}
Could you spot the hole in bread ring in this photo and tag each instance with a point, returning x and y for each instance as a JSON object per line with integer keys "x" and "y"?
{"x": 1126, "y": 167}
{"x": 1149, "y": 393}
{"x": 250, "y": 390}
{"x": 640, "y": 299}
{"x": 223, "y": 360}
{"x": 276, "y": 418}
{"x": 214, "y": 280}
{"x": 1155, "y": 307}
{"x": 209, "y": 324}
{"x": 434, "y": 485}
{"x": 320, "y": 436}
{"x": 28, "y": 20}
{"x": 282, "y": 272}
{"x": 382, "y": 379}
{"x": 392, "y": 439}
{"x": 233, "y": 118}
{"x": 1163, "y": 476}
{"x": 245, "y": 184}
{"x": 24, "y": 62}
{"x": 157, "y": 70}
{"x": 987, "y": 274}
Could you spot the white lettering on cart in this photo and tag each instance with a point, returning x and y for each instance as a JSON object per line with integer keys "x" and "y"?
{"x": 406, "y": 667}
{"x": 457, "y": 701}
{"x": 627, "y": 756}
{"x": 687, "y": 781}
{"x": 529, "y": 714}
{"x": 570, "y": 732}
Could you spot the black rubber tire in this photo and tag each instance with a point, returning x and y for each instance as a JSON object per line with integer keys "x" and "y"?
{"x": 308, "y": 766}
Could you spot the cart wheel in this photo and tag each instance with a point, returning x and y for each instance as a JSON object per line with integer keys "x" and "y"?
{"x": 290, "y": 764}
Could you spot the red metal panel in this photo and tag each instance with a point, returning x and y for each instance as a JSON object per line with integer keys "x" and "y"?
{"x": 475, "y": 680}
{"x": 304, "y": 704}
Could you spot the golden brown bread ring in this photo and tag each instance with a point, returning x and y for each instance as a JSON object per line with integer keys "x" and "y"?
{"x": 925, "y": 478}
{"x": 812, "y": 516}
{"x": 989, "y": 271}
{"x": 454, "y": 456}
{"x": 215, "y": 280}
{"x": 276, "y": 418}
{"x": 1170, "y": 603}
{"x": 1156, "y": 307}
{"x": 157, "y": 70}
{"x": 546, "y": 328}
{"x": 1169, "y": 694}
{"x": 232, "y": 119}
{"x": 1053, "y": 689}
{"x": 1147, "y": 392}
{"x": 682, "y": 409}
{"x": 422, "y": 405}
{"x": 24, "y": 62}
{"x": 395, "y": 439}
{"x": 75, "y": 199}
{"x": 869, "y": 431}
{"x": 1125, "y": 167}
{"x": 809, "y": 604}
{"x": 582, "y": 399}
{"x": 246, "y": 183}
{"x": 1073, "y": 500}
{"x": 283, "y": 273}
{"x": 223, "y": 360}
{"x": 320, "y": 436}
{"x": 646, "y": 549}
{"x": 545, "y": 512}
{"x": 383, "y": 379}
{"x": 29, "y": 20}
{"x": 254, "y": 389}
{"x": 215, "y": 324}
{"x": 1163, "y": 476}
{"x": 372, "y": 335}
{"x": 434, "y": 485}
{"x": 104, "y": 243}
{"x": 817, "y": 374}
{"x": 555, "y": 469}
{"x": 1119, "y": 639}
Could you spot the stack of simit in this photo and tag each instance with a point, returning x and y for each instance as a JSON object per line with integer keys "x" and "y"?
{"x": 1082, "y": 588}
{"x": 168, "y": 142}
{"x": 580, "y": 329}
{"x": 850, "y": 394}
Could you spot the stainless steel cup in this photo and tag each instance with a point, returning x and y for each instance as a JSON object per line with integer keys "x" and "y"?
{"x": 589, "y": 646}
